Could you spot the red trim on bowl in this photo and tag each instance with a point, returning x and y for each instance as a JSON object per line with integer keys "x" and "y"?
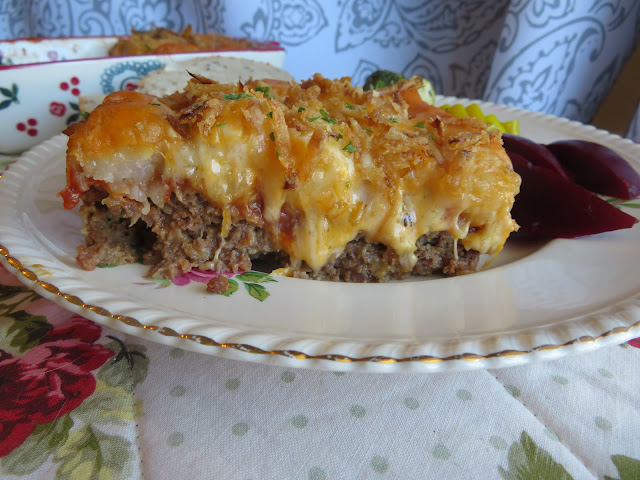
{"x": 135, "y": 57}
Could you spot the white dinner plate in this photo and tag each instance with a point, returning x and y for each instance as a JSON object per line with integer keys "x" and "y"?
{"x": 540, "y": 300}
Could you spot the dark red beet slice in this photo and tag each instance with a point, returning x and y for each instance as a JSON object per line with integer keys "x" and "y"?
{"x": 597, "y": 168}
{"x": 552, "y": 206}
{"x": 534, "y": 152}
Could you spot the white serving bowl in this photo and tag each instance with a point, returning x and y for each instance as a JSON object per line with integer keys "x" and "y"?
{"x": 38, "y": 100}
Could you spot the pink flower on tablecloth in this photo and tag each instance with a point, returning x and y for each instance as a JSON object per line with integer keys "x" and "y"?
{"x": 635, "y": 342}
{"x": 49, "y": 381}
{"x": 199, "y": 276}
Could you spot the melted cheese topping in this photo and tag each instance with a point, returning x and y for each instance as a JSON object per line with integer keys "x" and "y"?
{"x": 315, "y": 164}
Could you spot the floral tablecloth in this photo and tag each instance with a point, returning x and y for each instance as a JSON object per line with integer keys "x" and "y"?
{"x": 79, "y": 401}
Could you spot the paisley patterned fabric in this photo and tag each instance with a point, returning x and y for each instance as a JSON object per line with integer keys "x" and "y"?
{"x": 554, "y": 56}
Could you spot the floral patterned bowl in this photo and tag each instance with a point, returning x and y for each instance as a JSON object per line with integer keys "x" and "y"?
{"x": 38, "y": 100}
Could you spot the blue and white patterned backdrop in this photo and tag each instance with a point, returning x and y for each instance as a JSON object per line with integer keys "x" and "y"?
{"x": 554, "y": 56}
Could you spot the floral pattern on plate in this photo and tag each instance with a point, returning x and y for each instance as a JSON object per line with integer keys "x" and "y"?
{"x": 252, "y": 281}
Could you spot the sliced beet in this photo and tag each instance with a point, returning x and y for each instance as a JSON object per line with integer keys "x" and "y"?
{"x": 597, "y": 168}
{"x": 534, "y": 152}
{"x": 552, "y": 206}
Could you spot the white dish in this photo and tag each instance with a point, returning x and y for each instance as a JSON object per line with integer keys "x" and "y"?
{"x": 38, "y": 100}
{"x": 22, "y": 51}
{"x": 537, "y": 302}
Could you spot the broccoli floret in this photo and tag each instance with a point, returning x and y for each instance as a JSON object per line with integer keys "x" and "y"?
{"x": 381, "y": 79}
{"x": 386, "y": 78}
{"x": 427, "y": 93}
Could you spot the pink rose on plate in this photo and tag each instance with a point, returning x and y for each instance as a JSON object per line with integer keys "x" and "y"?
{"x": 57, "y": 109}
{"x": 200, "y": 276}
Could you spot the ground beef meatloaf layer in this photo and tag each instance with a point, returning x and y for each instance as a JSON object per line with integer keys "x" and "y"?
{"x": 186, "y": 233}
{"x": 328, "y": 181}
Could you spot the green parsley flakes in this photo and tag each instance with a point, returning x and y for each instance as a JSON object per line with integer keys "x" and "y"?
{"x": 324, "y": 116}
{"x": 221, "y": 124}
{"x": 327, "y": 118}
{"x": 393, "y": 120}
{"x": 270, "y": 114}
{"x": 419, "y": 125}
{"x": 264, "y": 90}
{"x": 272, "y": 136}
{"x": 350, "y": 147}
{"x": 301, "y": 109}
{"x": 237, "y": 96}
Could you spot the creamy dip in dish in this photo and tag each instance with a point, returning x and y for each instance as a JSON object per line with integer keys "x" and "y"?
{"x": 175, "y": 75}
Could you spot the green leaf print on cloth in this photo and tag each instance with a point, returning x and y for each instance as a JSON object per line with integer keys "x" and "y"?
{"x": 527, "y": 461}
{"x": 11, "y": 298}
{"x": 27, "y": 330}
{"x": 628, "y": 468}
{"x": 108, "y": 406}
{"x": 37, "y": 448}
{"x": 90, "y": 453}
{"x": 8, "y": 292}
{"x": 128, "y": 368}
